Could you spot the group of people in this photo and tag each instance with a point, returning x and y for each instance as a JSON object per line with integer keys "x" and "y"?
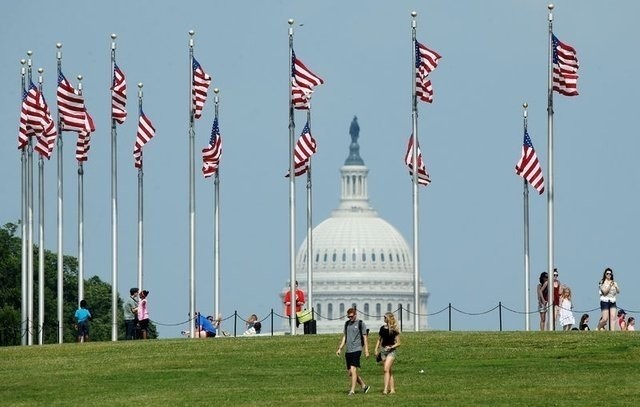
{"x": 355, "y": 339}
{"x": 136, "y": 314}
{"x": 563, "y": 308}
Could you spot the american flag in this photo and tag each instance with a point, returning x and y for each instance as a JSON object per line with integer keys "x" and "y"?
{"x": 201, "y": 82}
{"x": 426, "y": 62}
{"x": 305, "y": 148}
{"x": 118, "y": 96}
{"x": 212, "y": 152}
{"x": 84, "y": 137}
{"x": 565, "y": 68}
{"x": 302, "y": 83}
{"x": 146, "y": 131}
{"x": 423, "y": 175}
{"x": 36, "y": 120}
{"x": 47, "y": 139}
{"x": 529, "y": 167}
{"x": 70, "y": 106}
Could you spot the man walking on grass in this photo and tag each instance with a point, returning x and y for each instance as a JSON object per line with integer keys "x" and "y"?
{"x": 355, "y": 337}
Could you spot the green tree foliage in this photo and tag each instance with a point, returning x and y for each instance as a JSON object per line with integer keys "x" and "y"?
{"x": 97, "y": 294}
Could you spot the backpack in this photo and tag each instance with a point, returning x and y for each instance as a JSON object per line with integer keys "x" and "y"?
{"x": 346, "y": 324}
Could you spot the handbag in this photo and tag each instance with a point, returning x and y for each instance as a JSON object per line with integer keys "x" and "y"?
{"x": 304, "y": 316}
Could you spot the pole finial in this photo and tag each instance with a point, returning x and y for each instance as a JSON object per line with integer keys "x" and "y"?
{"x": 140, "y": 85}
{"x": 40, "y": 70}
{"x": 216, "y": 90}
{"x": 290, "y": 21}
{"x": 550, "y": 6}
{"x": 23, "y": 61}
{"x": 58, "y": 45}
{"x": 29, "y": 53}
{"x": 192, "y": 33}
{"x": 113, "y": 36}
{"x": 79, "y": 77}
{"x": 525, "y": 105}
{"x": 414, "y": 14}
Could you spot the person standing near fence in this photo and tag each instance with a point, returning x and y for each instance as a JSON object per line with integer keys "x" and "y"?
{"x": 567, "y": 320}
{"x": 299, "y": 301}
{"x": 130, "y": 310}
{"x": 543, "y": 298}
{"x": 609, "y": 289}
{"x": 355, "y": 338}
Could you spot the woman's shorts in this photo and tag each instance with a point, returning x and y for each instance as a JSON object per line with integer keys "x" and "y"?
{"x": 144, "y": 324}
{"x": 353, "y": 359}
{"x": 605, "y": 305}
{"x": 384, "y": 354}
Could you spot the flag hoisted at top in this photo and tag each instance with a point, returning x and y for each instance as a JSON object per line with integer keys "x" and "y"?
{"x": 201, "y": 82}
{"x": 118, "y": 95}
{"x": 212, "y": 152}
{"x": 305, "y": 148}
{"x": 529, "y": 167}
{"x": 423, "y": 175}
{"x": 426, "y": 62}
{"x": 302, "y": 83}
{"x": 35, "y": 119}
{"x": 565, "y": 68}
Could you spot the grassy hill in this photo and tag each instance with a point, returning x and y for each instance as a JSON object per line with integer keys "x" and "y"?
{"x": 460, "y": 368}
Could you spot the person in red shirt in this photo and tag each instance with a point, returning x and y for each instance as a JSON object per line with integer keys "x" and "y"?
{"x": 299, "y": 298}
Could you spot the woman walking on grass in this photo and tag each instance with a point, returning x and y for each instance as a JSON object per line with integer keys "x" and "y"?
{"x": 388, "y": 342}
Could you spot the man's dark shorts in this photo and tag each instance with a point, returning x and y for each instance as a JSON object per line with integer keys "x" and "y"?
{"x": 353, "y": 359}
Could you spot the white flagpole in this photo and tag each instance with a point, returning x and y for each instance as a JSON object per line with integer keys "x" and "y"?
{"x": 527, "y": 266}
{"x": 292, "y": 195}
{"x": 23, "y": 225}
{"x": 29, "y": 222}
{"x": 550, "y": 214}
{"x": 414, "y": 123}
{"x": 192, "y": 198}
{"x": 309, "y": 227}
{"x": 40, "y": 235}
{"x": 80, "y": 218}
{"x": 114, "y": 206}
{"x": 216, "y": 224}
{"x": 60, "y": 265}
{"x": 140, "y": 205}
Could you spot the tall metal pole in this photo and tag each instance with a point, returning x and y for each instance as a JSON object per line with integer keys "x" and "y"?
{"x": 80, "y": 218}
{"x": 60, "y": 268}
{"x": 550, "y": 215}
{"x": 216, "y": 224}
{"x": 114, "y": 207}
{"x": 414, "y": 125}
{"x": 192, "y": 198}
{"x": 29, "y": 222}
{"x": 140, "y": 206}
{"x": 292, "y": 195}
{"x": 40, "y": 235}
{"x": 309, "y": 227}
{"x": 527, "y": 266}
{"x": 23, "y": 226}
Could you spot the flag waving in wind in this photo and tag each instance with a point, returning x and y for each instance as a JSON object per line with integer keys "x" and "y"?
{"x": 565, "y": 68}
{"x": 302, "y": 83}
{"x": 201, "y": 82}
{"x": 35, "y": 119}
{"x": 426, "y": 62}
{"x": 70, "y": 106}
{"x": 211, "y": 153}
{"x": 118, "y": 96}
{"x": 529, "y": 167}
{"x": 146, "y": 131}
{"x": 305, "y": 148}
{"x": 423, "y": 175}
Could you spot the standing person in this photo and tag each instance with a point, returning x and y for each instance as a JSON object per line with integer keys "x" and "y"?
{"x": 355, "y": 337}
{"x": 557, "y": 291}
{"x": 608, "y": 291}
{"x": 567, "y": 319}
{"x": 83, "y": 316}
{"x": 584, "y": 322}
{"x": 130, "y": 309}
{"x": 631, "y": 324}
{"x": 388, "y": 342}
{"x": 543, "y": 298}
{"x": 143, "y": 313}
{"x": 299, "y": 299}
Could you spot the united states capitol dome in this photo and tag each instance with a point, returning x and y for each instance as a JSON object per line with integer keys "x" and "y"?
{"x": 359, "y": 259}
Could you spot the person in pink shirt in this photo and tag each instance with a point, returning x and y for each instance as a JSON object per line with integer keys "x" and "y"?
{"x": 143, "y": 313}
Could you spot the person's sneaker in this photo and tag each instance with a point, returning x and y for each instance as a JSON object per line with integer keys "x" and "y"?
{"x": 351, "y": 393}
{"x": 365, "y": 389}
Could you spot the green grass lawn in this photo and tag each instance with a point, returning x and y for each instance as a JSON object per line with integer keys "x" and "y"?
{"x": 460, "y": 368}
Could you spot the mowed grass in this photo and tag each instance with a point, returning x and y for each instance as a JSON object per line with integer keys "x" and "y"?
{"x": 460, "y": 368}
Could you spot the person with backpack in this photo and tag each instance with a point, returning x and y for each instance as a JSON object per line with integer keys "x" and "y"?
{"x": 355, "y": 338}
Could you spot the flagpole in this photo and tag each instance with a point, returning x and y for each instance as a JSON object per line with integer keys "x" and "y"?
{"x": 23, "y": 225}
{"x": 192, "y": 197}
{"x": 292, "y": 194}
{"x": 60, "y": 254}
{"x": 525, "y": 198}
{"x": 40, "y": 234}
{"x": 414, "y": 123}
{"x": 29, "y": 222}
{"x": 114, "y": 207}
{"x": 140, "y": 205}
{"x": 216, "y": 223}
{"x": 309, "y": 225}
{"x": 80, "y": 218}
{"x": 550, "y": 194}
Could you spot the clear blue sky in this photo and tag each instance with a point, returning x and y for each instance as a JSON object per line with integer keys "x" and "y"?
{"x": 494, "y": 59}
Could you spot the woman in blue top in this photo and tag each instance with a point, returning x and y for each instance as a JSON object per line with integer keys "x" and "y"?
{"x": 83, "y": 316}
